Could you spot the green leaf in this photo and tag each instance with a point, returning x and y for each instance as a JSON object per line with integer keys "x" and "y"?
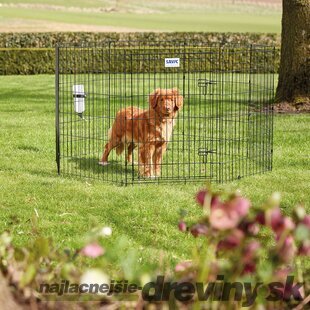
{"x": 265, "y": 271}
{"x": 41, "y": 246}
{"x": 19, "y": 254}
{"x": 302, "y": 233}
{"x": 28, "y": 275}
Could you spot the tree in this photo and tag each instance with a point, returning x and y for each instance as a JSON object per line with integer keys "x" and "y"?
{"x": 294, "y": 73}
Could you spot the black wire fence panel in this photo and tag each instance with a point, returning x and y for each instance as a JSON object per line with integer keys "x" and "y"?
{"x": 224, "y": 130}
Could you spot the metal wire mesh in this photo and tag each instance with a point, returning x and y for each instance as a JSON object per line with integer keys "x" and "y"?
{"x": 223, "y": 131}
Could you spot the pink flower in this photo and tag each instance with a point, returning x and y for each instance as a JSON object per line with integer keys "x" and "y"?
{"x": 229, "y": 214}
{"x": 199, "y": 229}
{"x": 183, "y": 266}
{"x": 306, "y": 221}
{"x": 182, "y": 226}
{"x": 240, "y": 205}
{"x": 260, "y": 218}
{"x": 249, "y": 227}
{"x": 200, "y": 197}
{"x": 288, "y": 224}
{"x": 215, "y": 201}
{"x": 281, "y": 273}
{"x": 92, "y": 250}
{"x": 232, "y": 241}
{"x": 285, "y": 225}
{"x": 287, "y": 250}
{"x": 271, "y": 217}
{"x": 304, "y": 249}
{"x": 222, "y": 218}
{"x": 274, "y": 218}
{"x": 249, "y": 268}
{"x": 250, "y": 251}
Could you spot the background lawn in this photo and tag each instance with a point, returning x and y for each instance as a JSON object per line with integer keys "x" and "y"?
{"x": 135, "y": 15}
{"x": 146, "y": 214}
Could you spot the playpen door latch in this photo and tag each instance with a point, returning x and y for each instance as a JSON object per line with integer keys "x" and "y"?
{"x": 204, "y": 153}
{"x": 204, "y": 83}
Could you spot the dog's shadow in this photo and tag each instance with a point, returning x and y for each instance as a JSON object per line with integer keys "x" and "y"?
{"x": 92, "y": 167}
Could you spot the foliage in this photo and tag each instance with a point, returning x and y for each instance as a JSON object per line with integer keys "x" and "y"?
{"x": 49, "y": 39}
{"x": 232, "y": 246}
{"x": 41, "y": 262}
{"x": 233, "y": 241}
{"x": 33, "y": 53}
{"x": 26, "y": 61}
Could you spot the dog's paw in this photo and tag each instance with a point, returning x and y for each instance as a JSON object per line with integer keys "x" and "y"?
{"x": 103, "y": 163}
{"x": 152, "y": 177}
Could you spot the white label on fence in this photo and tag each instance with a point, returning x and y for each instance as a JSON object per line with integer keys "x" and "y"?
{"x": 172, "y": 62}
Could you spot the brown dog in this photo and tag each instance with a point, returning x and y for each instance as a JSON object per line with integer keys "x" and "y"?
{"x": 150, "y": 129}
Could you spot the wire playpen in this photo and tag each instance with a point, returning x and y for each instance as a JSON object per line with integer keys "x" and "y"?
{"x": 127, "y": 112}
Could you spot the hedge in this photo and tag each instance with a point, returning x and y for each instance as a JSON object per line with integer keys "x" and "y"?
{"x": 96, "y": 60}
{"x": 49, "y": 39}
{"x": 22, "y": 54}
{"x": 27, "y": 61}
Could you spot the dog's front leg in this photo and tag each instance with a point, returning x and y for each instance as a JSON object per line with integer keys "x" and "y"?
{"x": 158, "y": 156}
{"x": 146, "y": 154}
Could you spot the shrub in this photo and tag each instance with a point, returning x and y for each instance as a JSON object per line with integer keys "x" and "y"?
{"x": 33, "y": 53}
{"x": 232, "y": 243}
{"x": 49, "y": 39}
{"x": 234, "y": 246}
{"x": 27, "y": 61}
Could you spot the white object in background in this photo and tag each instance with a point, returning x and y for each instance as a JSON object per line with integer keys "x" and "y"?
{"x": 79, "y": 98}
{"x": 172, "y": 62}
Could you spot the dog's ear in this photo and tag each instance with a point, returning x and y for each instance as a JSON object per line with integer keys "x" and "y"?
{"x": 153, "y": 98}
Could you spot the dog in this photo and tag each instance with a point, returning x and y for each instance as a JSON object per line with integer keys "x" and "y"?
{"x": 149, "y": 129}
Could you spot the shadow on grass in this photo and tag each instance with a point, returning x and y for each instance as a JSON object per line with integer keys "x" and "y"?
{"x": 108, "y": 172}
{"x": 17, "y": 94}
{"x": 28, "y": 148}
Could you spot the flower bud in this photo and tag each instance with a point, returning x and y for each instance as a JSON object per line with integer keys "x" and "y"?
{"x": 287, "y": 251}
{"x": 232, "y": 241}
{"x": 199, "y": 229}
{"x": 249, "y": 268}
{"x": 182, "y": 226}
{"x": 92, "y": 250}
{"x": 304, "y": 249}
{"x": 306, "y": 221}
{"x": 274, "y": 200}
{"x": 200, "y": 197}
{"x": 250, "y": 251}
{"x": 183, "y": 266}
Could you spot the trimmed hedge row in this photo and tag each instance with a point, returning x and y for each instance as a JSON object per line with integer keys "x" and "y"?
{"x": 96, "y": 60}
{"x": 27, "y": 61}
{"x": 27, "y": 53}
{"x": 49, "y": 39}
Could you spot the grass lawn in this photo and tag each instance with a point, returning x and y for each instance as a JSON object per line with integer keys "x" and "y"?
{"x": 146, "y": 214}
{"x": 139, "y": 15}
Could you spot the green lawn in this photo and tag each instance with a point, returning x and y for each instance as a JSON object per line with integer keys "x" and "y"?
{"x": 153, "y": 15}
{"x": 146, "y": 214}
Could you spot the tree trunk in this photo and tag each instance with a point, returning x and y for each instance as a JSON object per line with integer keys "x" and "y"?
{"x": 294, "y": 73}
